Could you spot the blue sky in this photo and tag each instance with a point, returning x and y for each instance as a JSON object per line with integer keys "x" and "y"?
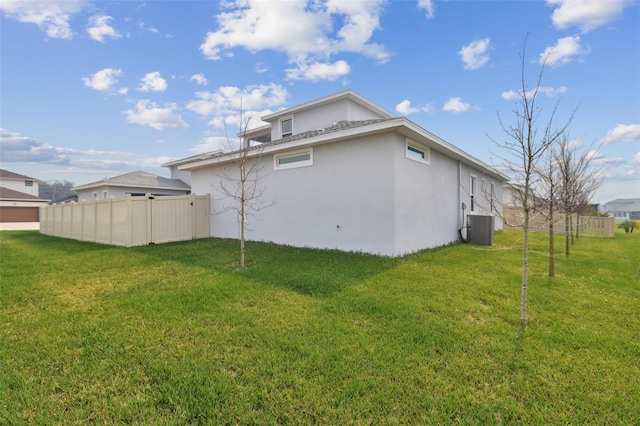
{"x": 96, "y": 89}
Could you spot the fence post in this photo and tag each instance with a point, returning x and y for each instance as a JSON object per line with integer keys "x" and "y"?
{"x": 149, "y": 221}
{"x": 194, "y": 217}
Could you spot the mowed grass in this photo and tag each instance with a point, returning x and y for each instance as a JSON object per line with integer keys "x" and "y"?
{"x": 176, "y": 334}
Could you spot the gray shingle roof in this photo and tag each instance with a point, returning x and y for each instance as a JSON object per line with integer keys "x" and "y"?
{"x": 11, "y": 194}
{"x": 336, "y": 127}
{"x": 6, "y": 174}
{"x": 140, "y": 179}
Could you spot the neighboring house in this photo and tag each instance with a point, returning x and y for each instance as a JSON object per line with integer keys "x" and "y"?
{"x": 19, "y": 201}
{"x": 134, "y": 183}
{"x": 623, "y": 208}
{"x": 341, "y": 172}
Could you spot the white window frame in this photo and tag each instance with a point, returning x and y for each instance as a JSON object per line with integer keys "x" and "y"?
{"x": 295, "y": 164}
{"x": 282, "y": 120}
{"x": 473, "y": 197}
{"x": 417, "y": 148}
{"x": 28, "y": 183}
{"x": 95, "y": 195}
{"x": 492, "y": 195}
{"x": 105, "y": 195}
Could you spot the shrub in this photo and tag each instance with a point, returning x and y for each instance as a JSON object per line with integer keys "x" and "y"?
{"x": 629, "y": 225}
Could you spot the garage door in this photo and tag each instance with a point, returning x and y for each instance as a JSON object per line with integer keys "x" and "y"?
{"x": 19, "y": 214}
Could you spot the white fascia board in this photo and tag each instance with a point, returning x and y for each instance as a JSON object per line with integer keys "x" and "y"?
{"x": 345, "y": 94}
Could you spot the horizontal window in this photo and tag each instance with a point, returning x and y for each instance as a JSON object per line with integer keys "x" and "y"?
{"x": 417, "y": 152}
{"x": 290, "y": 160}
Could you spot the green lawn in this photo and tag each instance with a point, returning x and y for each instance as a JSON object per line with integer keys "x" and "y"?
{"x": 176, "y": 334}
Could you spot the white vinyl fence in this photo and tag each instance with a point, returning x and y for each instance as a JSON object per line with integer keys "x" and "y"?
{"x": 129, "y": 221}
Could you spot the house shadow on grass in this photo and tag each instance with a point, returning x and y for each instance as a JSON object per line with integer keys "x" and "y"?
{"x": 307, "y": 271}
{"x": 47, "y": 242}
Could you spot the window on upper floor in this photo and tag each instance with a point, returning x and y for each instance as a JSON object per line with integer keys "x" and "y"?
{"x": 28, "y": 183}
{"x": 286, "y": 127}
{"x": 416, "y": 151}
{"x": 290, "y": 160}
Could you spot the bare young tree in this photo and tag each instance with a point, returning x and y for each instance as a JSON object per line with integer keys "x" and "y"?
{"x": 525, "y": 145}
{"x": 549, "y": 183}
{"x": 240, "y": 180}
{"x": 578, "y": 181}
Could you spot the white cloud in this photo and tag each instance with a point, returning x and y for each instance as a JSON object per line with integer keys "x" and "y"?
{"x": 261, "y": 67}
{"x": 319, "y": 71}
{"x": 153, "y": 82}
{"x": 199, "y": 79}
{"x": 474, "y": 55}
{"x": 622, "y": 133}
{"x": 586, "y": 14}
{"x": 147, "y": 113}
{"x": 152, "y": 30}
{"x": 19, "y": 149}
{"x": 308, "y": 37}
{"x": 229, "y": 100}
{"x": 455, "y": 104}
{"x": 427, "y": 5}
{"x": 210, "y": 144}
{"x": 636, "y": 158}
{"x": 405, "y": 108}
{"x": 548, "y": 91}
{"x": 103, "y": 80}
{"x": 52, "y": 17}
{"x": 565, "y": 49}
{"x": 99, "y": 28}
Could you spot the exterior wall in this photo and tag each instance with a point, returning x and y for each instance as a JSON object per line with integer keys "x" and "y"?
{"x": 323, "y": 116}
{"x": 426, "y": 200}
{"x": 344, "y": 200}
{"x": 21, "y": 186}
{"x": 359, "y": 195}
{"x": 121, "y": 191}
{"x": 182, "y": 175}
{"x": 483, "y": 198}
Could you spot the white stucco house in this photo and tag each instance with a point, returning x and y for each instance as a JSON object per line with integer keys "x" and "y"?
{"x": 342, "y": 173}
{"x": 134, "y": 183}
{"x": 622, "y": 208}
{"x": 19, "y": 200}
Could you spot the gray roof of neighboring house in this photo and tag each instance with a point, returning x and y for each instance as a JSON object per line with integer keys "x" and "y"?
{"x": 623, "y": 205}
{"x": 10, "y": 194}
{"x": 6, "y": 174}
{"x": 139, "y": 179}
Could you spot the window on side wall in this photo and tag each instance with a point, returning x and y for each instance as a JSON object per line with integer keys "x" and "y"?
{"x": 293, "y": 159}
{"x": 104, "y": 194}
{"x": 286, "y": 127}
{"x": 472, "y": 193}
{"x": 492, "y": 196}
{"x": 416, "y": 151}
{"x": 28, "y": 183}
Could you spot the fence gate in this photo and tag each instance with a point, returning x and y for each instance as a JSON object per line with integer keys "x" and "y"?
{"x": 131, "y": 220}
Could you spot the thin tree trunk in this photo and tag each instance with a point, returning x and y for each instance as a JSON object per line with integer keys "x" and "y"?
{"x": 552, "y": 260}
{"x": 567, "y": 231}
{"x": 525, "y": 270}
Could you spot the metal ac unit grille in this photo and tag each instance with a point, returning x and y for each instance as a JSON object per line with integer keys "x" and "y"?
{"x": 480, "y": 230}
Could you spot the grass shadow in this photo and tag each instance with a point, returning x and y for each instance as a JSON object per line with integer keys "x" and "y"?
{"x": 48, "y": 242}
{"x": 304, "y": 270}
